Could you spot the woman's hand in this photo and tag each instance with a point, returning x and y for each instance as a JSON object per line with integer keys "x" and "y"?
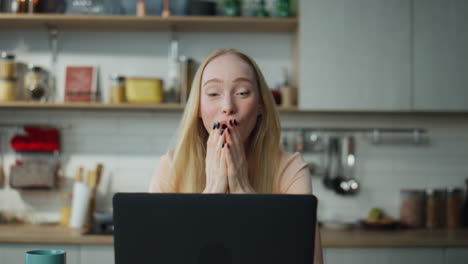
{"x": 215, "y": 165}
{"x": 236, "y": 162}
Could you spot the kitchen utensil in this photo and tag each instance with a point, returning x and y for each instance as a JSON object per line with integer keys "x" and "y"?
{"x": 348, "y": 184}
{"x": 330, "y": 172}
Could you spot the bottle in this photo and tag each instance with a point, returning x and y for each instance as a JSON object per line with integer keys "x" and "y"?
{"x": 117, "y": 94}
{"x": 465, "y": 206}
{"x": 141, "y": 8}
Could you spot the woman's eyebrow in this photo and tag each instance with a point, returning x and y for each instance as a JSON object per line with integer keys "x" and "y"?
{"x": 243, "y": 79}
{"x": 214, "y": 80}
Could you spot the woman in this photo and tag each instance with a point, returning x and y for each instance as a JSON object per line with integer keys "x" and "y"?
{"x": 229, "y": 139}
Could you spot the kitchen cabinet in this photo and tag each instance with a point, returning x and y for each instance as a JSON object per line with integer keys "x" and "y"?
{"x": 456, "y": 256}
{"x": 440, "y": 54}
{"x": 90, "y": 254}
{"x": 15, "y": 253}
{"x": 355, "y": 55}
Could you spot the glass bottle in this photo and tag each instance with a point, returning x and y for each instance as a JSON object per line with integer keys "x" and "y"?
{"x": 117, "y": 92}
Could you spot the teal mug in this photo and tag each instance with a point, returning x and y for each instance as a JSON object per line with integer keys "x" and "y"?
{"x": 45, "y": 257}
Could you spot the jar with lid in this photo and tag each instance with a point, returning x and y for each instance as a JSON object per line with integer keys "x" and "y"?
{"x": 8, "y": 89}
{"x": 453, "y": 210}
{"x": 117, "y": 91}
{"x": 412, "y": 208}
{"x": 434, "y": 208}
{"x": 35, "y": 83}
{"x": 7, "y": 65}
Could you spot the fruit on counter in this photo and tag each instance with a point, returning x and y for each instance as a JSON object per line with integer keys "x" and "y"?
{"x": 375, "y": 214}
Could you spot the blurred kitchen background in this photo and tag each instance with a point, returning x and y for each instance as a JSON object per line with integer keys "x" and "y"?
{"x": 382, "y": 81}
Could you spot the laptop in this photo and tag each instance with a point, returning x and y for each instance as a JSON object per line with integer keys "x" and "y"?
{"x": 213, "y": 228}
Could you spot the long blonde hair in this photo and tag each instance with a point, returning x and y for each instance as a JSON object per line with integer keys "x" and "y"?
{"x": 263, "y": 149}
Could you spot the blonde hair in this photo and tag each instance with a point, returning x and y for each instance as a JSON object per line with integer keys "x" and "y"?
{"x": 263, "y": 149}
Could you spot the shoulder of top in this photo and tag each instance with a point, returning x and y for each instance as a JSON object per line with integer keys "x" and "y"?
{"x": 168, "y": 156}
{"x": 288, "y": 156}
{"x": 287, "y": 159}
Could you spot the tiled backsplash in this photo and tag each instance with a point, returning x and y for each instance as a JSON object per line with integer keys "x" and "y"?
{"x": 130, "y": 143}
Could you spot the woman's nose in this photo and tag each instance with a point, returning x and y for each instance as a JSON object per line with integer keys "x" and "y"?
{"x": 228, "y": 106}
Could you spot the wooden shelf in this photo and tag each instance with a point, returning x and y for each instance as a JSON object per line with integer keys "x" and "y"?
{"x": 101, "y": 106}
{"x": 148, "y": 23}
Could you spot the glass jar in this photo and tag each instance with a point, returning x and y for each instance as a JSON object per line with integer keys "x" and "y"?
{"x": 453, "y": 210}
{"x": 117, "y": 91}
{"x": 35, "y": 83}
{"x": 412, "y": 208}
{"x": 8, "y": 90}
{"x": 7, "y": 65}
{"x": 19, "y": 6}
{"x": 434, "y": 208}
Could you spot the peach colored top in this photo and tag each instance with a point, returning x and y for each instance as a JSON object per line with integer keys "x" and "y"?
{"x": 294, "y": 175}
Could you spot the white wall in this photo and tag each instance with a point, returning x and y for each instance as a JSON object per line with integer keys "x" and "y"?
{"x": 130, "y": 143}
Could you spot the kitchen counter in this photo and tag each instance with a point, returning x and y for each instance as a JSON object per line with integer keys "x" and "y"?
{"x": 46, "y": 234}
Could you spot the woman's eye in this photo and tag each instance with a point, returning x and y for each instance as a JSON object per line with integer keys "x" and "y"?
{"x": 244, "y": 93}
{"x": 212, "y": 94}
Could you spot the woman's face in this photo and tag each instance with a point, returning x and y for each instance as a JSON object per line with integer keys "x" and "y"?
{"x": 228, "y": 92}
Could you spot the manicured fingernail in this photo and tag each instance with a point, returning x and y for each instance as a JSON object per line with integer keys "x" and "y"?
{"x": 223, "y": 126}
{"x": 214, "y": 125}
{"x": 230, "y": 122}
{"x": 218, "y": 125}
{"x": 222, "y": 146}
{"x": 235, "y": 122}
{"x": 229, "y": 131}
{"x": 222, "y": 131}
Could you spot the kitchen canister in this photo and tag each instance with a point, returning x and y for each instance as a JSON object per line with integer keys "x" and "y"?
{"x": 453, "y": 208}
{"x": 412, "y": 208}
{"x": 7, "y": 65}
{"x": 144, "y": 90}
{"x": 8, "y": 89}
{"x": 435, "y": 201}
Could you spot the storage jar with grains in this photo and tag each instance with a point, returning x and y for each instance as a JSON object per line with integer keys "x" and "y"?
{"x": 8, "y": 90}
{"x": 412, "y": 208}
{"x": 434, "y": 208}
{"x": 7, "y": 65}
{"x": 453, "y": 212}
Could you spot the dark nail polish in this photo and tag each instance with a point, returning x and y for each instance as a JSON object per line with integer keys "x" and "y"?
{"x": 235, "y": 122}
{"x": 222, "y": 146}
{"x": 214, "y": 125}
{"x": 230, "y": 122}
{"x": 227, "y": 145}
{"x": 222, "y": 131}
{"x": 224, "y": 126}
{"x": 229, "y": 131}
{"x": 218, "y": 125}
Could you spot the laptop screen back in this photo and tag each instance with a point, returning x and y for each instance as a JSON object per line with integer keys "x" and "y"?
{"x": 214, "y": 228}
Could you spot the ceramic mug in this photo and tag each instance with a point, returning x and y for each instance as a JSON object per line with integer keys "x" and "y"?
{"x": 45, "y": 257}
